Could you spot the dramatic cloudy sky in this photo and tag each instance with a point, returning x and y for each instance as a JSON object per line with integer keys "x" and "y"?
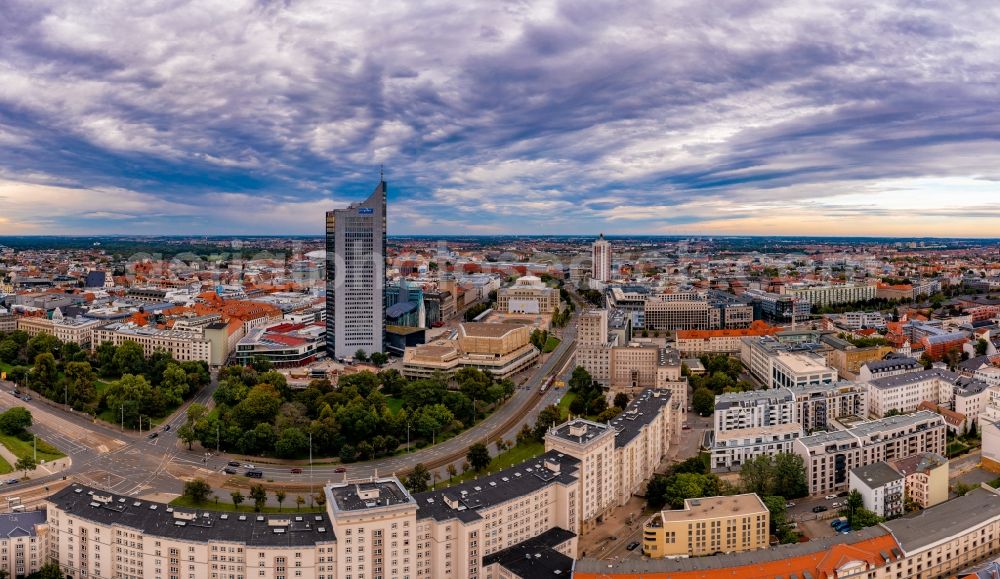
{"x": 573, "y": 116}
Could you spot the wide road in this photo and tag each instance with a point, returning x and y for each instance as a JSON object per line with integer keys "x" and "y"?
{"x": 129, "y": 463}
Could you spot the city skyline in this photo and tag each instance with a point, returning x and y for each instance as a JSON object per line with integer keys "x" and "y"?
{"x": 561, "y": 118}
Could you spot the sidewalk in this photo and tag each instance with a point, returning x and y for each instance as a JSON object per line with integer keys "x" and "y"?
{"x": 40, "y": 470}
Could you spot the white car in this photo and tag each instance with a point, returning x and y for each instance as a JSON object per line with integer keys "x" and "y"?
{"x": 835, "y": 505}
{"x": 789, "y": 505}
{"x": 250, "y": 466}
{"x": 830, "y": 497}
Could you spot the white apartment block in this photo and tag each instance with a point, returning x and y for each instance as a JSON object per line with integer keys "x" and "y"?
{"x": 819, "y": 406}
{"x": 884, "y": 368}
{"x": 183, "y": 345}
{"x": 830, "y": 456}
{"x": 880, "y": 487}
{"x": 775, "y": 364}
{"x": 797, "y": 369}
{"x": 755, "y": 409}
{"x": 732, "y": 448}
{"x": 858, "y": 320}
{"x": 826, "y": 295}
{"x": 904, "y": 392}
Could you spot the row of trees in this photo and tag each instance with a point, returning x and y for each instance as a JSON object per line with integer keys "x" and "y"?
{"x": 199, "y": 492}
{"x": 478, "y": 455}
{"x": 258, "y": 414}
{"x": 140, "y": 386}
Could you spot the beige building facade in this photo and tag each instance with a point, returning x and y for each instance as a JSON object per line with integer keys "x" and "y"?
{"x": 500, "y": 349}
{"x": 528, "y": 295}
{"x": 707, "y": 526}
{"x": 183, "y": 345}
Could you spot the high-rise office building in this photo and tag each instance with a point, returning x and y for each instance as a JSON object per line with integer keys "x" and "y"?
{"x": 602, "y": 259}
{"x": 355, "y": 276}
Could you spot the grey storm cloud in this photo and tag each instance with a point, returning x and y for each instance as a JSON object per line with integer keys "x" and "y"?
{"x": 490, "y": 116}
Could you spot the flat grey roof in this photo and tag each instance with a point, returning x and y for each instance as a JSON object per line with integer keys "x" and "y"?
{"x": 892, "y": 422}
{"x": 484, "y": 492}
{"x": 891, "y": 363}
{"x": 877, "y": 474}
{"x": 359, "y": 496}
{"x": 822, "y": 438}
{"x": 945, "y": 520}
{"x": 640, "y": 411}
{"x": 590, "y": 430}
{"x": 753, "y": 398}
{"x": 913, "y": 378}
{"x": 162, "y": 520}
{"x": 536, "y": 557}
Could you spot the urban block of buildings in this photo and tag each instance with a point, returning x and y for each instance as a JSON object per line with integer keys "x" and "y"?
{"x": 830, "y": 456}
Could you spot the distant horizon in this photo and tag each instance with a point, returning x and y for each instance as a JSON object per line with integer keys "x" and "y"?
{"x": 494, "y": 235}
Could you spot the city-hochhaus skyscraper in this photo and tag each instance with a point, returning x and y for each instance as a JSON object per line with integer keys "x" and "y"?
{"x": 355, "y": 276}
{"x": 601, "y": 259}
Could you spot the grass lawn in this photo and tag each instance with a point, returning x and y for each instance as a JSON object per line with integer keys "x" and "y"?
{"x": 22, "y": 448}
{"x": 5, "y": 466}
{"x": 565, "y": 401}
{"x": 550, "y": 344}
{"x": 101, "y": 386}
{"x": 501, "y": 461}
{"x": 5, "y": 367}
{"x": 226, "y": 505}
{"x": 394, "y": 404}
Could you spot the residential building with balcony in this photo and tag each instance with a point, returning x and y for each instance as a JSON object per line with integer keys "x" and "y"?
{"x": 880, "y": 487}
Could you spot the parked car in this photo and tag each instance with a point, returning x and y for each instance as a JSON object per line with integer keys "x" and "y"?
{"x": 835, "y": 505}
{"x": 12, "y": 481}
{"x": 233, "y": 463}
{"x": 26, "y": 398}
{"x": 830, "y": 497}
{"x": 789, "y": 505}
{"x": 340, "y": 469}
{"x": 819, "y": 509}
{"x": 686, "y": 426}
{"x": 296, "y": 470}
{"x": 633, "y": 546}
{"x": 843, "y": 494}
{"x": 229, "y": 470}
